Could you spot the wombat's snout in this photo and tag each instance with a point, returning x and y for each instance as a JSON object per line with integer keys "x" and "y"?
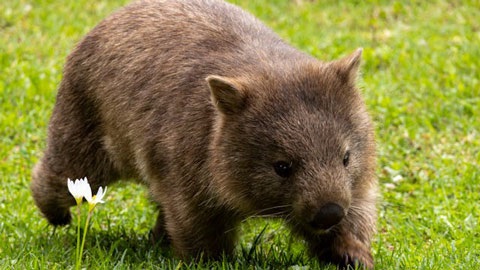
{"x": 329, "y": 215}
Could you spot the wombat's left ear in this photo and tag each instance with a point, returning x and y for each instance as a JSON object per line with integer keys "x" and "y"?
{"x": 347, "y": 68}
{"x": 227, "y": 94}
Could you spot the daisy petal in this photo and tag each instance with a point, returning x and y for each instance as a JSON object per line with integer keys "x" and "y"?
{"x": 86, "y": 190}
{"x": 100, "y": 194}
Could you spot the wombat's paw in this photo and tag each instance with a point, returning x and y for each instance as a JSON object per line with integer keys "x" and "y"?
{"x": 159, "y": 237}
{"x": 59, "y": 219}
{"x": 352, "y": 254}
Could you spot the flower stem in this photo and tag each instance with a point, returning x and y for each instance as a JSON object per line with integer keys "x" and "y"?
{"x": 77, "y": 250}
{"x": 79, "y": 262}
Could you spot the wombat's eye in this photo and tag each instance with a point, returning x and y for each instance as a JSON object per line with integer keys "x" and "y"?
{"x": 346, "y": 158}
{"x": 283, "y": 168}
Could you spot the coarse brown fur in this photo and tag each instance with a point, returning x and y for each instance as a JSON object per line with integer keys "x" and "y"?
{"x": 202, "y": 102}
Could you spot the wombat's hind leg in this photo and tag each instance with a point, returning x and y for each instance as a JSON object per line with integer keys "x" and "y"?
{"x": 51, "y": 195}
{"x": 73, "y": 152}
{"x": 75, "y": 149}
{"x": 49, "y": 184}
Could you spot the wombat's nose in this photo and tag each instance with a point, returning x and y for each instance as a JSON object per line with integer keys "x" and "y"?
{"x": 330, "y": 214}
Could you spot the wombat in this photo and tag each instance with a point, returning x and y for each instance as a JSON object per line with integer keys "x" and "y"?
{"x": 222, "y": 120}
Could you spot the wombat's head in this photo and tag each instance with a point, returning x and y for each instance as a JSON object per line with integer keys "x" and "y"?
{"x": 294, "y": 141}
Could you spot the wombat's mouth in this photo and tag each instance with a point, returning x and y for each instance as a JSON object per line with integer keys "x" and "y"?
{"x": 318, "y": 231}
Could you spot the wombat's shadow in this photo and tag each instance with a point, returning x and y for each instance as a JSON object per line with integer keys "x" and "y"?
{"x": 133, "y": 248}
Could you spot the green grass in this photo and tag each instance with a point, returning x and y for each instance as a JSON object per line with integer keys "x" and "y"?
{"x": 421, "y": 77}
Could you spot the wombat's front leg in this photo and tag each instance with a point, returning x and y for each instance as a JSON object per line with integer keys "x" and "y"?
{"x": 159, "y": 232}
{"x": 341, "y": 247}
{"x": 347, "y": 243}
{"x": 194, "y": 233}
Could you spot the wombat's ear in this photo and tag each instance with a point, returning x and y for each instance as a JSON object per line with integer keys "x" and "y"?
{"x": 227, "y": 94}
{"x": 347, "y": 68}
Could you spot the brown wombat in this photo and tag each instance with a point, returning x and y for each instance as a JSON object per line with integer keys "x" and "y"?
{"x": 222, "y": 120}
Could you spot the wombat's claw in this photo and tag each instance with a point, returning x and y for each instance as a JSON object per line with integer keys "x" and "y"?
{"x": 350, "y": 262}
{"x": 352, "y": 254}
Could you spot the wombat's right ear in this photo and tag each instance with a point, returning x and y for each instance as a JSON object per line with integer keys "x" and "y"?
{"x": 347, "y": 67}
{"x": 227, "y": 94}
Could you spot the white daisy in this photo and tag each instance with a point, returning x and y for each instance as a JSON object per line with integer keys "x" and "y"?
{"x": 97, "y": 198}
{"x": 79, "y": 189}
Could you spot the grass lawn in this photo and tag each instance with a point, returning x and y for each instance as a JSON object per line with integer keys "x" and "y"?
{"x": 421, "y": 81}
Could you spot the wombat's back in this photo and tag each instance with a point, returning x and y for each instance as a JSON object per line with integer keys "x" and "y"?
{"x": 147, "y": 63}
{"x": 177, "y": 42}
